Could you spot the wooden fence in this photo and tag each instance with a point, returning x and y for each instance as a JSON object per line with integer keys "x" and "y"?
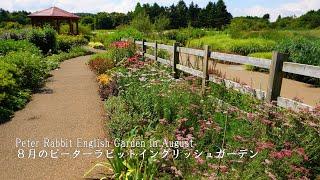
{"x": 276, "y": 67}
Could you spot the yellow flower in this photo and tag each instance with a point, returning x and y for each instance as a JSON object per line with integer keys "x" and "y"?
{"x": 103, "y": 79}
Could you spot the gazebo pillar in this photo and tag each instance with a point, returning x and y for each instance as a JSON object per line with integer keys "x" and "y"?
{"x": 70, "y": 27}
{"x": 57, "y": 25}
{"x": 77, "y": 27}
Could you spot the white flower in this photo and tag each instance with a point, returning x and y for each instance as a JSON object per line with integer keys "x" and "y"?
{"x": 142, "y": 79}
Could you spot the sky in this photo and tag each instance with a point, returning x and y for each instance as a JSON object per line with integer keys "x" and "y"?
{"x": 236, "y": 7}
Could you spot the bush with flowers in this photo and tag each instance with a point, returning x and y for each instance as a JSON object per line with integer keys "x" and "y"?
{"x": 258, "y": 139}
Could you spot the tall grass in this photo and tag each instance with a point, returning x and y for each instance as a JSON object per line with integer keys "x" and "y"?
{"x": 225, "y": 43}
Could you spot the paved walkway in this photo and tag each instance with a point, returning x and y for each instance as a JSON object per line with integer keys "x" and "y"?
{"x": 69, "y": 108}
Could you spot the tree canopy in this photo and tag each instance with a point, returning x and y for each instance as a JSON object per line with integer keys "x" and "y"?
{"x": 180, "y": 15}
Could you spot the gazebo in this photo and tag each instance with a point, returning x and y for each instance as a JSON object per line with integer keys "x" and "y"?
{"x": 55, "y": 16}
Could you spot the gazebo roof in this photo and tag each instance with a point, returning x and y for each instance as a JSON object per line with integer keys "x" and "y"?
{"x": 54, "y": 12}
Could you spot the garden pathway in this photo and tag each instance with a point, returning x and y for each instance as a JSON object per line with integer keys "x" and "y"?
{"x": 68, "y": 107}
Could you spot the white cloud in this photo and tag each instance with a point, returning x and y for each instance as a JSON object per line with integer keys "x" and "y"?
{"x": 288, "y": 9}
{"x": 6, "y": 5}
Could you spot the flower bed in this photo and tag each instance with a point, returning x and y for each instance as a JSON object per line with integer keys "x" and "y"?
{"x": 145, "y": 104}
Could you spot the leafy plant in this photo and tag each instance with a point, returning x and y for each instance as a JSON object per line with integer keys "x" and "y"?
{"x": 7, "y": 46}
{"x": 11, "y": 96}
{"x": 30, "y": 65}
{"x": 45, "y": 39}
{"x": 66, "y": 42}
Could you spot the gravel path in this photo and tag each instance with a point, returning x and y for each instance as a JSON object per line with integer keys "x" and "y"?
{"x": 69, "y": 108}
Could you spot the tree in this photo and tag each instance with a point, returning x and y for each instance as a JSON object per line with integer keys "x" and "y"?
{"x": 178, "y": 15}
{"x": 142, "y": 23}
{"x": 182, "y": 11}
{"x": 310, "y": 20}
{"x": 155, "y": 12}
{"x": 266, "y": 17}
{"x": 137, "y": 10}
{"x": 87, "y": 21}
{"x": 210, "y": 15}
{"x": 119, "y": 19}
{"x": 103, "y": 21}
{"x": 4, "y": 15}
{"x": 193, "y": 15}
{"x": 161, "y": 23}
{"x": 223, "y": 17}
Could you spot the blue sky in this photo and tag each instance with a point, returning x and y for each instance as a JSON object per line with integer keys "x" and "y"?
{"x": 236, "y": 7}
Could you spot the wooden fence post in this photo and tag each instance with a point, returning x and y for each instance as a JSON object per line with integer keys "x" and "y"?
{"x": 205, "y": 64}
{"x": 156, "y": 51}
{"x": 275, "y": 76}
{"x": 175, "y": 60}
{"x": 144, "y": 48}
{"x": 134, "y": 45}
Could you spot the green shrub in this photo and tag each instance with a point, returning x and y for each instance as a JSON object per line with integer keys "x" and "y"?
{"x": 11, "y": 96}
{"x": 45, "y": 39}
{"x": 12, "y": 25}
{"x": 53, "y": 61}
{"x": 66, "y": 42}
{"x": 23, "y": 71}
{"x": 248, "y": 24}
{"x": 183, "y": 35}
{"x": 7, "y": 46}
{"x": 301, "y": 50}
{"x": 108, "y": 37}
{"x": 14, "y": 34}
{"x": 142, "y": 23}
{"x": 31, "y": 67}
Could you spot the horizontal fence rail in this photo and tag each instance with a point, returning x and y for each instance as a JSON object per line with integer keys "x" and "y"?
{"x": 276, "y": 66}
{"x": 302, "y": 69}
{"x": 257, "y": 62}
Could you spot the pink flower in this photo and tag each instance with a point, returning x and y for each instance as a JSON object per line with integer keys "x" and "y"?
{"x": 238, "y": 138}
{"x": 264, "y": 145}
{"x": 266, "y": 122}
{"x": 163, "y": 121}
{"x": 223, "y": 169}
{"x": 300, "y": 169}
{"x": 200, "y": 161}
{"x": 301, "y": 152}
{"x": 250, "y": 116}
{"x": 281, "y": 154}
